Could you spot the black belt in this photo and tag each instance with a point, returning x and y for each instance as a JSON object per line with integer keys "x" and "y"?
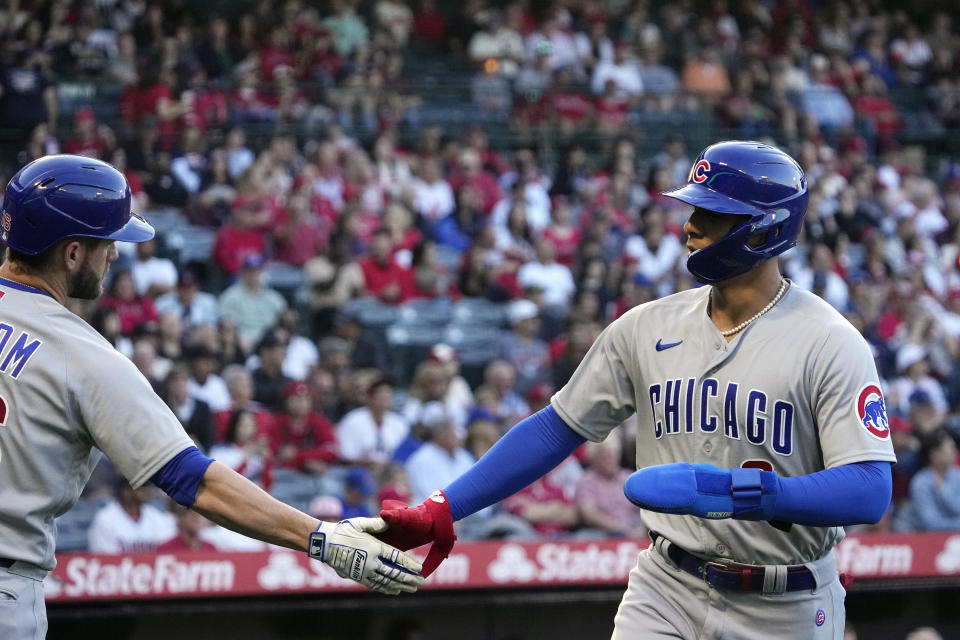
{"x": 734, "y": 576}
{"x": 6, "y": 563}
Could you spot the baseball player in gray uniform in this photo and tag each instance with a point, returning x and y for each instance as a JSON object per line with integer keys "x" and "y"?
{"x": 65, "y": 393}
{"x": 761, "y": 428}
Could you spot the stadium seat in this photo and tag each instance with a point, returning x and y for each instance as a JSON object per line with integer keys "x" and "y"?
{"x": 408, "y": 344}
{"x": 479, "y": 311}
{"x": 72, "y": 526}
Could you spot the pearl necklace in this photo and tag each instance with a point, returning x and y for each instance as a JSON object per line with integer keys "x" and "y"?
{"x": 743, "y": 325}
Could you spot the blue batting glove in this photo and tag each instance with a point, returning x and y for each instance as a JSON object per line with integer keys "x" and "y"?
{"x": 704, "y": 490}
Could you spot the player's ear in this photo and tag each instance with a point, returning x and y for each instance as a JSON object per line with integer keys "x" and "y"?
{"x": 72, "y": 252}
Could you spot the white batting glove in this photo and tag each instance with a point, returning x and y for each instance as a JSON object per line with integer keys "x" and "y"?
{"x": 348, "y": 547}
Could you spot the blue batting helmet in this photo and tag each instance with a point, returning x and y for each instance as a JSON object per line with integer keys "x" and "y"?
{"x": 64, "y": 196}
{"x": 749, "y": 179}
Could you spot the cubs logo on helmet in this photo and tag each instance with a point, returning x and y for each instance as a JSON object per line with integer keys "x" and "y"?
{"x": 872, "y": 412}
{"x": 699, "y": 171}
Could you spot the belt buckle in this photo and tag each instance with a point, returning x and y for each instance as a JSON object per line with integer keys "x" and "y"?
{"x": 718, "y": 566}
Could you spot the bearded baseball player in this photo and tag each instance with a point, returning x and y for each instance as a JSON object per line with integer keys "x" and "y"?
{"x": 64, "y": 390}
{"x": 761, "y": 427}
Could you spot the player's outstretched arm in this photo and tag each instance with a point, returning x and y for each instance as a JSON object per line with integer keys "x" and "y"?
{"x": 229, "y": 499}
{"x": 856, "y": 493}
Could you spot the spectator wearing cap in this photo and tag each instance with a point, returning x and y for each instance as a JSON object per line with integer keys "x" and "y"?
{"x": 152, "y": 276}
{"x": 196, "y": 307}
{"x": 368, "y": 435}
{"x": 599, "y": 493}
{"x": 923, "y": 413}
{"x": 914, "y": 375}
{"x": 359, "y": 487}
{"x": 440, "y": 460}
{"x": 204, "y": 383}
{"x": 545, "y": 272}
{"x": 302, "y": 439}
{"x": 238, "y": 238}
{"x": 521, "y": 346}
{"x": 935, "y": 490}
{"x": 383, "y": 278}
{"x": 251, "y": 305}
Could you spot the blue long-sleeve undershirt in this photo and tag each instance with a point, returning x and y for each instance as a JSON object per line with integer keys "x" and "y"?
{"x": 534, "y": 446}
{"x": 849, "y": 494}
{"x": 855, "y": 493}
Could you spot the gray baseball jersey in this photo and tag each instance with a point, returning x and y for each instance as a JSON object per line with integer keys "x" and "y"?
{"x": 796, "y": 392}
{"x": 63, "y": 391}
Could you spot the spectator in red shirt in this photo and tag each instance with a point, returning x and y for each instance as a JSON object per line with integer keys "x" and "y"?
{"x": 276, "y": 52}
{"x": 569, "y": 109}
{"x": 85, "y": 140}
{"x": 611, "y": 109}
{"x": 189, "y": 525}
{"x": 429, "y": 25}
{"x": 239, "y": 383}
{"x": 132, "y": 309}
{"x": 237, "y": 238}
{"x": 472, "y": 173}
{"x": 302, "y": 439}
{"x": 383, "y": 277}
{"x": 297, "y": 238}
{"x": 564, "y": 236}
{"x": 875, "y": 107}
{"x": 544, "y": 505}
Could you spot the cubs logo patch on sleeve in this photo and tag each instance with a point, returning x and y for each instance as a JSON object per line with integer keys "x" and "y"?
{"x": 872, "y": 412}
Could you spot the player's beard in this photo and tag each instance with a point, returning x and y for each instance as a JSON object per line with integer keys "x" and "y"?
{"x": 86, "y": 284}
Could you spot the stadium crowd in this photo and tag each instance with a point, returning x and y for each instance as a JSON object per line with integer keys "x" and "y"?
{"x": 380, "y": 297}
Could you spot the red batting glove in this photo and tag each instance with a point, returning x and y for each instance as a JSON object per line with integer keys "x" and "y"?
{"x": 411, "y": 527}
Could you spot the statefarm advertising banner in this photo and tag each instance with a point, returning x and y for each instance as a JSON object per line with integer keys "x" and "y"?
{"x": 493, "y": 565}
